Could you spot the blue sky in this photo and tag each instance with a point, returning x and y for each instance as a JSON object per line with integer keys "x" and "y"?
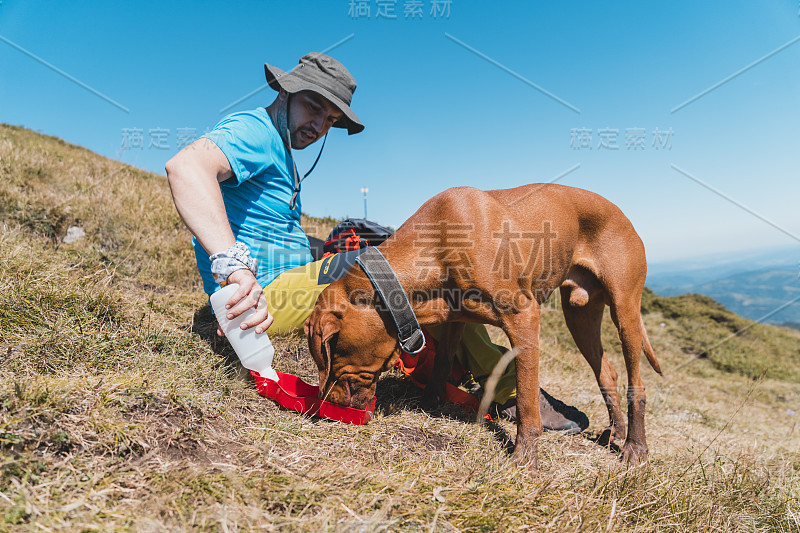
{"x": 454, "y": 100}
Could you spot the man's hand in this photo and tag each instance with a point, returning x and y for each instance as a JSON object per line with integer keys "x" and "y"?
{"x": 249, "y": 295}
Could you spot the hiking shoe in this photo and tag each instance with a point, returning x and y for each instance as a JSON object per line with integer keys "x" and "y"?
{"x": 556, "y": 415}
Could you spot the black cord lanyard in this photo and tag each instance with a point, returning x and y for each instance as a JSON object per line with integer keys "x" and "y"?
{"x": 297, "y": 181}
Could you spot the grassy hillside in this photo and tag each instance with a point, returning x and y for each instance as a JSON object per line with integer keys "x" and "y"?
{"x": 120, "y": 411}
{"x": 705, "y": 329}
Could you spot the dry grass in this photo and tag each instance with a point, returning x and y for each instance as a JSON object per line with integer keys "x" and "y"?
{"x": 120, "y": 411}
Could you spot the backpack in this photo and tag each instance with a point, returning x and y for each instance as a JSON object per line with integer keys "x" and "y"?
{"x": 354, "y": 234}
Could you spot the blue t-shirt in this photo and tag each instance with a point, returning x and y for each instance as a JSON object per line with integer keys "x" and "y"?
{"x": 257, "y": 197}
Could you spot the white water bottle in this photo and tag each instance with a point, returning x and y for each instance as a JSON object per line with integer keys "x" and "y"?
{"x": 255, "y": 351}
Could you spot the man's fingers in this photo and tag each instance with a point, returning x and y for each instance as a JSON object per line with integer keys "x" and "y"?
{"x": 247, "y": 284}
{"x": 248, "y": 302}
{"x": 236, "y": 297}
{"x": 264, "y": 326}
{"x": 260, "y": 318}
{"x": 220, "y": 332}
{"x": 240, "y": 297}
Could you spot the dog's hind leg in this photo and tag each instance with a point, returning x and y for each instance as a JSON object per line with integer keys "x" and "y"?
{"x": 584, "y": 316}
{"x": 443, "y": 362}
{"x": 626, "y": 314}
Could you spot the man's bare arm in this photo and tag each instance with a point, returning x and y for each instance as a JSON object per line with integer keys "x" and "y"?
{"x": 194, "y": 175}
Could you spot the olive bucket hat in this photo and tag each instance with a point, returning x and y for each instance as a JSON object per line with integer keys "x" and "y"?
{"x": 325, "y": 76}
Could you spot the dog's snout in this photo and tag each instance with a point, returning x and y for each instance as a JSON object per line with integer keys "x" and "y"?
{"x": 348, "y": 392}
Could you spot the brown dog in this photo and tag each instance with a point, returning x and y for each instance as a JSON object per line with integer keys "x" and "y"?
{"x": 494, "y": 257}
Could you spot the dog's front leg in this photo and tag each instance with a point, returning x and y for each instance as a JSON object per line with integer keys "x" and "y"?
{"x": 443, "y": 362}
{"x": 523, "y": 332}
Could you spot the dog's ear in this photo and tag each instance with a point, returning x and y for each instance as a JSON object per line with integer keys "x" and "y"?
{"x": 330, "y": 325}
{"x": 322, "y": 330}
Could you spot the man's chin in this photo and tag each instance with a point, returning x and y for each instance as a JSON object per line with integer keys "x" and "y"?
{"x": 298, "y": 143}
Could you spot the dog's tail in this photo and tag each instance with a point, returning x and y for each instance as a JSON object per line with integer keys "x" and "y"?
{"x": 648, "y": 349}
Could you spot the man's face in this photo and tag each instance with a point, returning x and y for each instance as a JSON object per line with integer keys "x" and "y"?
{"x": 310, "y": 117}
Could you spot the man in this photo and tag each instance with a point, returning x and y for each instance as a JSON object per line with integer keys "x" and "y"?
{"x": 237, "y": 189}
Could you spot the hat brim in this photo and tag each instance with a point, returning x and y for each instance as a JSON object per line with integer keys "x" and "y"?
{"x": 278, "y": 79}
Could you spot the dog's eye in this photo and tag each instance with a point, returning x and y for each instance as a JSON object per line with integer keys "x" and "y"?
{"x": 361, "y": 300}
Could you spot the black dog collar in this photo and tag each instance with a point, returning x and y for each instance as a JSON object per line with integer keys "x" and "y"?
{"x": 387, "y": 285}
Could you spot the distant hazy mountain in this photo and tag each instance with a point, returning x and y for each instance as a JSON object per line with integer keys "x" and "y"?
{"x": 753, "y": 284}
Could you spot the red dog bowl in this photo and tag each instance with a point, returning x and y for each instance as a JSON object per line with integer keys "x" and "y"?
{"x": 293, "y": 393}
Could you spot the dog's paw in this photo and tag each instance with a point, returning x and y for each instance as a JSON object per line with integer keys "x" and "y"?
{"x": 526, "y": 448}
{"x": 634, "y": 454}
{"x": 526, "y": 456}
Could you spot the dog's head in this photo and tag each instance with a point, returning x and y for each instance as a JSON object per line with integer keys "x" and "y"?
{"x": 350, "y": 345}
